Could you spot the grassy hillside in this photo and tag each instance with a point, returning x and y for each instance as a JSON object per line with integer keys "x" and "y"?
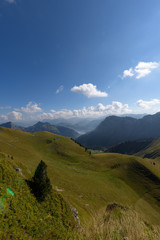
{"x": 130, "y": 147}
{"x": 119, "y": 223}
{"x": 23, "y": 217}
{"x": 152, "y": 151}
{"x": 147, "y": 148}
{"x": 88, "y": 182}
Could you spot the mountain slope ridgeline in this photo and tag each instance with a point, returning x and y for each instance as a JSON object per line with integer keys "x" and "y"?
{"x": 114, "y": 130}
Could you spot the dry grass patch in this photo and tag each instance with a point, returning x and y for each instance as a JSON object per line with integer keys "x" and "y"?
{"x": 119, "y": 223}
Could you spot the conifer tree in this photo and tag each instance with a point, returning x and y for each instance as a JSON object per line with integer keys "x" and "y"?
{"x": 42, "y": 185}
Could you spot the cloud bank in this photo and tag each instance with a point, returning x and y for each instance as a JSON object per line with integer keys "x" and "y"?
{"x": 89, "y": 90}
{"x": 30, "y": 108}
{"x": 115, "y": 108}
{"x": 148, "y": 104}
{"x": 24, "y": 113}
{"x": 11, "y": 116}
{"x": 141, "y": 70}
{"x": 32, "y": 111}
{"x": 14, "y": 116}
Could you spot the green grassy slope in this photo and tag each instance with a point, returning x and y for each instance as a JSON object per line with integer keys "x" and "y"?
{"x": 23, "y": 217}
{"x": 152, "y": 151}
{"x": 130, "y": 147}
{"x": 147, "y": 148}
{"x": 89, "y": 183}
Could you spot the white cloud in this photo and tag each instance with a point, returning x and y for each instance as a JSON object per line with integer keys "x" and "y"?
{"x": 10, "y": 1}
{"x": 3, "y": 118}
{"x": 60, "y": 89}
{"x": 141, "y": 70}
{"x": 128, "y": 73}
{"x": 115, "y": 108}
{"x": 89, "y": 90}
{"x": 148, "y": 104}
{"x": 144, "y": 68}
{"x": 14, "y": 116}
{"x": 64, "y": 113}
{"x": 11, "y": 116}
{"x": 30, "y": 108}
{"x": 100, "y": 107}
{"x": 6, "y": 107}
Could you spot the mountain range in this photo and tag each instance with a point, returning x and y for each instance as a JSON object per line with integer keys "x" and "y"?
{"x": 105, "y": 133}
{"x": 114, "y": 130}
{"x": 44, "y": 126}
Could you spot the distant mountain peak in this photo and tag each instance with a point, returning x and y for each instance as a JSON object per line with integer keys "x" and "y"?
{"x": 114, "y": 130}
{"x": 8, "y": 124}
{"x": 11, "y": 125}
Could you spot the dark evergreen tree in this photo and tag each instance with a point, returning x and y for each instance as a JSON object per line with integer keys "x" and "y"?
{"x": 41, "y": 182}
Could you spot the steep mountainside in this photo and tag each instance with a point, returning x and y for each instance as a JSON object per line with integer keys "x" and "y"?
{"x": 148, "y": 148}
{"x": 114, "y": 130}
{"x": 130, "y": 147}
{"x": 151, "y": 151}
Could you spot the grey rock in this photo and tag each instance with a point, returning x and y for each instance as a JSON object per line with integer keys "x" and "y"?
{"x": 19, "y": 170}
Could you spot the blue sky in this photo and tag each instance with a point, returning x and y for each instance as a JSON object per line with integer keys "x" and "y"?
{"x": 78, "y": 58}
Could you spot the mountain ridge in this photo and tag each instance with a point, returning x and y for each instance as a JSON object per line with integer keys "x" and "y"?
{"x": 44, "y": 126}
{"x": 114, "y": 130}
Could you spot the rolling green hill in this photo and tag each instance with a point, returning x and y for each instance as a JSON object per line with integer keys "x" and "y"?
{"x": 88, "y": 182}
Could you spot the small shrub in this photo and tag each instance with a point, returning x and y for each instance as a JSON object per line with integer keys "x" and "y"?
{"x": 41, "y": 182}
